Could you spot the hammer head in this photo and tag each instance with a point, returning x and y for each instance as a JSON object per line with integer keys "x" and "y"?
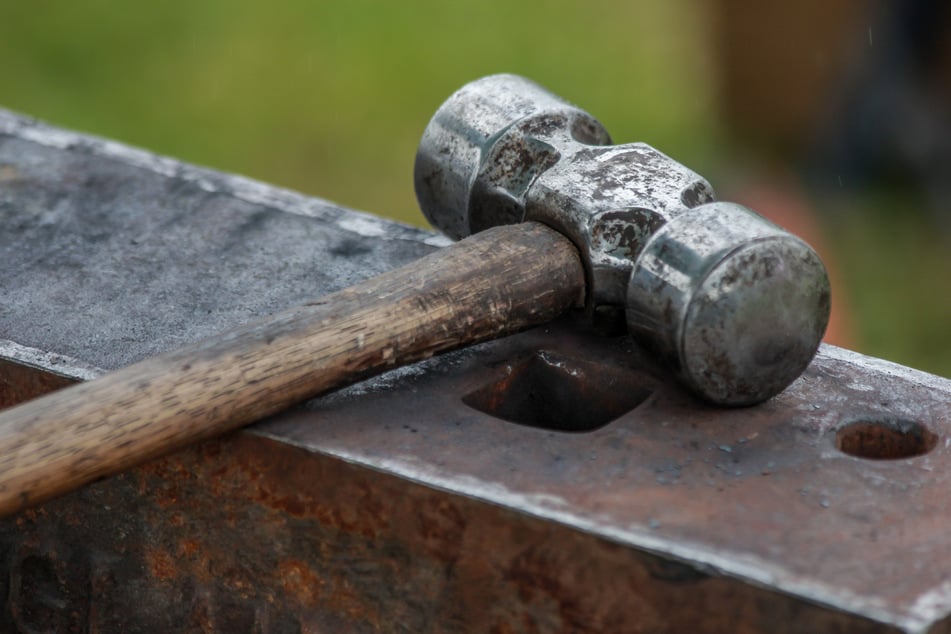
{"x": 734, "y": 304}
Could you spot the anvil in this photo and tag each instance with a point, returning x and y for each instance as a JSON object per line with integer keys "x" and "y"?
{"x": 555, "y": 480}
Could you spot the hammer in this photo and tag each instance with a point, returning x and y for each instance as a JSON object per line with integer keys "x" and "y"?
{"x": 560, "y": 220}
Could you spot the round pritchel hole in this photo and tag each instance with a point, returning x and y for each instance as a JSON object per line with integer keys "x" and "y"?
{"x": 889, "y": 439}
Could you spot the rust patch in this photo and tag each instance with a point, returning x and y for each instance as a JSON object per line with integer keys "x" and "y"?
{"x": 299, "y": 581}
{"x": 346, "y": 600}
{"x": 442, "y": 529}
{"x": 886, "y": 439}
{"x": 19, "y": 383}
{"x": 285, "y": 488}
{"x": 160, "y": 564}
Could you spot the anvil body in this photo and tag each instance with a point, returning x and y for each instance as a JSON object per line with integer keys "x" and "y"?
{"x": 552, "y": 481}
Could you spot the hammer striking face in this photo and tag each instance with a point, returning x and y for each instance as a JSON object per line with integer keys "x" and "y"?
{"x": 734, "y": 305}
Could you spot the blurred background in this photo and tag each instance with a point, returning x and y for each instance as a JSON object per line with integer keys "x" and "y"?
{"x": 831, "y": 118}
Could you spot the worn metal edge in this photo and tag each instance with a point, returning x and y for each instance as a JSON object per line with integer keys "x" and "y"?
{"x": 889, "y": 368}
{"x": 50, "y": 362}
{"x": 213, "y": 181}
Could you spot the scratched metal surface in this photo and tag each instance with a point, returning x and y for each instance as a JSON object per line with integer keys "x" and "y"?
{"x": 117, "y": 254}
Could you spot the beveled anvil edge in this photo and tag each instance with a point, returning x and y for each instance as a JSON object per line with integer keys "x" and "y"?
{"x": 48, "y": 361}
{"x": 882, "y": 366}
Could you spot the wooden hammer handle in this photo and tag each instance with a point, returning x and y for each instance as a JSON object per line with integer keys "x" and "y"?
{"x": 492, "y": 284}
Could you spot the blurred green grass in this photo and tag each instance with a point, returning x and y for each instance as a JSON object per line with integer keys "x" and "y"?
{"x": 330, "y": 99}
{"x": 897, "y": 265}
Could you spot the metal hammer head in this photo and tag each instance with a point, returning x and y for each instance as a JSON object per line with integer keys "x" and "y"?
{"x": 734, "y": 304}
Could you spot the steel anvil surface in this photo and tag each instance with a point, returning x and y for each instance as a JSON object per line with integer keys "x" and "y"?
{"x": 551, "y": 481}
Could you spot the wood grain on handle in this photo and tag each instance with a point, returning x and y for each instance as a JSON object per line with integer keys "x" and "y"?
{"x": 492, "y": 284}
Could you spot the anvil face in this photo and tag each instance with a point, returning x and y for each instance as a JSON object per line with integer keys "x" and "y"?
{"x": 550, "y": 481}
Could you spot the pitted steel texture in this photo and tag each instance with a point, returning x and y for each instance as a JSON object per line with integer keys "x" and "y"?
{"x": 733, "y": 304}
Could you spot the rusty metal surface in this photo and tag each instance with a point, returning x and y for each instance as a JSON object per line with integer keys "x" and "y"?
{"x": 761, "y": 495}
{"x": 435, "y": 499}
{"x": 254, "y": 535}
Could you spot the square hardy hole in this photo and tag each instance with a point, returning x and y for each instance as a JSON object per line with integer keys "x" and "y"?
{"x": 543, "y": 389}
